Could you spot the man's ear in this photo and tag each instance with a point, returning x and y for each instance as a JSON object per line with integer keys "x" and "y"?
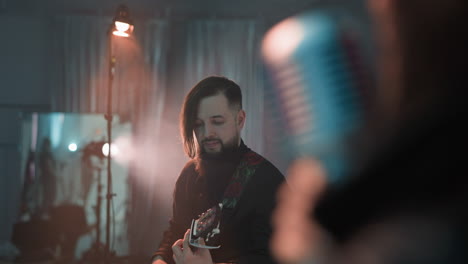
{"x": 241, "y": 118}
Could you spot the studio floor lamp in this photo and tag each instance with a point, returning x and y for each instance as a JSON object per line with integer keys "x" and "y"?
{"x": 122, "y": 26}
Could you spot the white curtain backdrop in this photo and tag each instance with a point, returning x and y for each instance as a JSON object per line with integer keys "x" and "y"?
{"x": 79, "y": 61}
{"x": 81, "y": 65}
{"x": 80, "y": 82}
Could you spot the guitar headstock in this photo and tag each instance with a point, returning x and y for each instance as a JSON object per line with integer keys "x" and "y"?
{"x": 206, "y": 227}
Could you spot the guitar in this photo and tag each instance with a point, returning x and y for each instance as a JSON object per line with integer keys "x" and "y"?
{"x": 206, "y": 227}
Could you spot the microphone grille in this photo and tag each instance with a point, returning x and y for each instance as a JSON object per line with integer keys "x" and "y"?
{"x": 319, "y": 83}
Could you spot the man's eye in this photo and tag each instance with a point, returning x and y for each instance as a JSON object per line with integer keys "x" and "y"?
{"x": 218, "y": 122}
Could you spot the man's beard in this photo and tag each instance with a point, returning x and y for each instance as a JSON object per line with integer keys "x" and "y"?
{"x": 226, "y": 148}
{"x": 217, "y": 168}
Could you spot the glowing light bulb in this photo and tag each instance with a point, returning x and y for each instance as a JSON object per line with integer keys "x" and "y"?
{"x": 72, "y": 147}
{"x": 121, "y": 26}
{"x": 105, "y": 149}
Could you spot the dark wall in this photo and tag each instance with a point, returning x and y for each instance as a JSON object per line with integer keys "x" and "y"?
{"x": 24, "y": 43}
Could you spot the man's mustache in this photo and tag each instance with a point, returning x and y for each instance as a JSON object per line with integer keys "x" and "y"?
{"x": 211, "y": 140}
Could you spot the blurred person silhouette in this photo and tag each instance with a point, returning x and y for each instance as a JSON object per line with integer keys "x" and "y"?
{"x": 27, "y": 192}
{"x": 407, "y": 202}
{"x": 47, "y": 169}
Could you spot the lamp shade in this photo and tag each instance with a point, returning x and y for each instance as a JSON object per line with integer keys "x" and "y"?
{"x": 122, "y": 24}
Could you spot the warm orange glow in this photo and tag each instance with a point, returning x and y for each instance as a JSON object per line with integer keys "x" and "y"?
{"x": 122, "y": 149}
{"x": 120, "y": 34}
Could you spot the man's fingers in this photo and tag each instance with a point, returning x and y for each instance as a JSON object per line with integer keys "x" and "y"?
{"x": 201, "y": 241}
{"x": 203, "y": 252}
{"x": 186, "y": 240}
{"x": 177, "y": 250}
{"x": 178, "y": 244}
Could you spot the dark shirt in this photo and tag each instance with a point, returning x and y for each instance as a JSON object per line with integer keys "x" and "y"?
{"x": 246, "y": 228}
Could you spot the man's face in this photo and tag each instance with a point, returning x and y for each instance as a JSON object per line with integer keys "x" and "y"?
{"x": 218, "y": 125}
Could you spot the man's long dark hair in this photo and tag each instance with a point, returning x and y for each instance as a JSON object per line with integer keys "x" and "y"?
{"x": 209, "y": 86}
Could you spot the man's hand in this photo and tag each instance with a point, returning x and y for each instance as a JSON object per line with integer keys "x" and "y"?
{"x": 297, "y": 238}
{"x": 183, "y": 254}
{"x": 159, "y": 260}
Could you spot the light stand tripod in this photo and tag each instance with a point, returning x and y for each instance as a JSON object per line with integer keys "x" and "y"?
{"x": 96, "y": 252}
{"x": 98, "y": 212}
{"x": 122, "y": 26}
{"x": 109, "y": 118}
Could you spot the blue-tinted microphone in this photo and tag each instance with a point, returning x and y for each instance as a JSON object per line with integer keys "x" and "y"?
{"x": 320, "y": 85}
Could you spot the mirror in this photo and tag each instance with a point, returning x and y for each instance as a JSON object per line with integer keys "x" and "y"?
{"x": 64, "y": 170}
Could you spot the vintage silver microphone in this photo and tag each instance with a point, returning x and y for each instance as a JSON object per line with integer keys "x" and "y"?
{"x": 320, "y": 85}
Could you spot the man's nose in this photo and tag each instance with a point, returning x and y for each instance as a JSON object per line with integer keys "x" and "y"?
{"x": 210, "y": 131}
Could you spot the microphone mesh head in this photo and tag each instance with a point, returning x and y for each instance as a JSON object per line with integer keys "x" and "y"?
{"x": 319, "y": 81}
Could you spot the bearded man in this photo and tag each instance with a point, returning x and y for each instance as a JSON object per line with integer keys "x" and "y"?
{"x": 222, "y": 170}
